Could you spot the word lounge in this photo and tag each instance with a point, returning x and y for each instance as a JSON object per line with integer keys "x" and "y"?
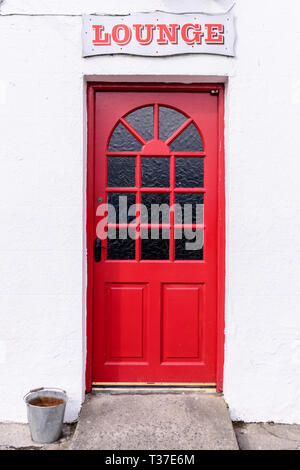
{"x": 161, "y": 34}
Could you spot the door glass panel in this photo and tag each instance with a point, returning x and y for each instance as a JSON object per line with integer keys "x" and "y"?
{"x": 189, "y": 172}
{"x": 169, "y": 121}
{"x": 118, "y": 206}
{"x": 120, "y": 245}
{"x": 121, "y": 171}
{"x": 158, "y": 208}
{"x": 155, "y": 244}
{"x": 188, "y": 141}
{"x": 156, "y": 172}
{"x": 142, "y": 121}
{"x": 189, "y": 208}
{"x": 189, "y": 244}
{"x": 122, "y": 141}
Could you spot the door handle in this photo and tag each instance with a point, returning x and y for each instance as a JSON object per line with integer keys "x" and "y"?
{"x": 97, "y": 250}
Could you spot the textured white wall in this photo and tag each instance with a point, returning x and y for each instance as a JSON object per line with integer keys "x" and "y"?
{"x": 42, "y": 194}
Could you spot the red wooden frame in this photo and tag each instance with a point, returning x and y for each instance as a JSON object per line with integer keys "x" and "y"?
{"x": 200, "y": 88}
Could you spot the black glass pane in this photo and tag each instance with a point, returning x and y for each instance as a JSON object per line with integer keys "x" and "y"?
{"x": 188, "y": 141}
{"x": 120, "y": 245}
{"x": 169, "y": 121}
{"x": 189, "y": 244}
{"x": 156, "y": 172}
{"x": 189, "y": 172}
{"x": 142, "y": 121}
{"x": 157, "y": 208}
{"x": 122, "y": 141}
{"x": 119, "y": 206}
{"x": 155, "y": 244}
{"x": 189, "y": 208}
{"x": 121, "y": 171}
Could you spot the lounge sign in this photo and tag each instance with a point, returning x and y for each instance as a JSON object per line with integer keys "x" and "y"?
{"x": 159, "y": 34}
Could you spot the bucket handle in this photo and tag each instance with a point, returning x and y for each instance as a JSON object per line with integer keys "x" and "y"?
{"x": 44, "y": 388}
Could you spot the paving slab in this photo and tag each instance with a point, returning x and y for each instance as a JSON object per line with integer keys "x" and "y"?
{"x": 17, "y": 437}
{"x": 267, "y": 436}
{"x": 154, "y": 421}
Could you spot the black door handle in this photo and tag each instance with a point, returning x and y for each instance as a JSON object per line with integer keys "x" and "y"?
{"x": 97, "y": 250}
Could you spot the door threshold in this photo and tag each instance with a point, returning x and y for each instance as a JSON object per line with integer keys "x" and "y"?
{"x": 151, "y": 386}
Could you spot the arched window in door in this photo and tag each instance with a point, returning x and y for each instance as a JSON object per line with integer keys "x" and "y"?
{"x": 158, "y": 122}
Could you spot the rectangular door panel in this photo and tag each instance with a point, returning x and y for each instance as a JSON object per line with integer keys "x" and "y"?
{"x": 125, "y": 322}
{"x": 182, "y": 306}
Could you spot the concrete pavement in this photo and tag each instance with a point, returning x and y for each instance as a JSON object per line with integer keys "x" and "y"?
{"x": 267, "y": 436}
{"x": 14, "y": 436}
{"x": 151, "y": 420}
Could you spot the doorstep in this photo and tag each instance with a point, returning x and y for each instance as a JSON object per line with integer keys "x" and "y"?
{"x": 154, "y": 421}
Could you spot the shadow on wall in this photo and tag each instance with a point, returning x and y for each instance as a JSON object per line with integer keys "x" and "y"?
{"x": 207, "y": 6}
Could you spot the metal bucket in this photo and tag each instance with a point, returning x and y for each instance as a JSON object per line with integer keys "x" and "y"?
{"x": 45, "y": 411}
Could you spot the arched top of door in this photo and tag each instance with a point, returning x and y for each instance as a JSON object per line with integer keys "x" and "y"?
{"x": 156, "y": 129}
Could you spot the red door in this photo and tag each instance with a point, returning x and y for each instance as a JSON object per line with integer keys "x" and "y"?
{"x": 155, "y": 254}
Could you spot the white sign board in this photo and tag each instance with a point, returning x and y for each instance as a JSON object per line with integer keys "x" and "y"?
{"x": 159, "y": 34}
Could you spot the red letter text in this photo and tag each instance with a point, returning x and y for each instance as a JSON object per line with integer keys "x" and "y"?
{"x": 99, "y": 40}
{"x": 139, "y": 28}
{"x": 196, "y": 36}
{"x": 116, "y": 34}
{"x": 167, "y": 35}
{"x": 215, "y": 34}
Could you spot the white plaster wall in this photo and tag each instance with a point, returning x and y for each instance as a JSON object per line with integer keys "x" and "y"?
{"x": 42, "y": 177}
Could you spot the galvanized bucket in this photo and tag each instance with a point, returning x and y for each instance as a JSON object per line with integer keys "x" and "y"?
{"x": 45, "y": 411}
